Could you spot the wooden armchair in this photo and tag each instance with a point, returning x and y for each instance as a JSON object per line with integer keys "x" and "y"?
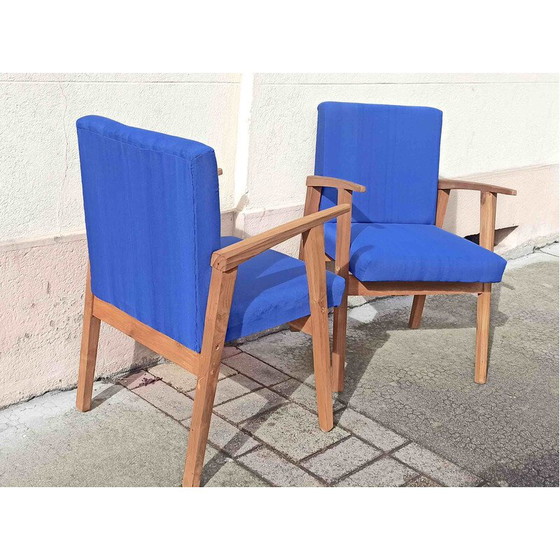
{"x": 161, "y": 273}
{"x": 392, "y": 243}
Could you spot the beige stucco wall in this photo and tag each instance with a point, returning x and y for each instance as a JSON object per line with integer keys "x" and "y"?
{"x": 498, "y": 128}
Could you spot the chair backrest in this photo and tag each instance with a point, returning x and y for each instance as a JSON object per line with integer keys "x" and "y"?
{"x": 152, "y": 216}
{"x": 392, "y": 150}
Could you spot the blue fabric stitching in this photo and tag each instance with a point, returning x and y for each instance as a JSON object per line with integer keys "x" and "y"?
{"x": 198, "y": 334}
{"x": 208, "y": 149}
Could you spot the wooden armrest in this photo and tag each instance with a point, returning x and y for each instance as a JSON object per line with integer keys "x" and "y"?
{"x": 448, "y": 184}
{"x": 233, "y": 255}
{"x": 318, "y": 181}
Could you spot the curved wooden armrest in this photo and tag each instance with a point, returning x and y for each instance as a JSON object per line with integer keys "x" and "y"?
{"x": 236, "y": 254}
{"x": 448, "y": 184}
{"x": 318, "y": 181}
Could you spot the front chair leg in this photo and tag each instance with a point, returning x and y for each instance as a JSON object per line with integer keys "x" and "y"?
{"x": 218, "y": 308}
{"x": 88, "y": 352}
{"x": 482, "y": 333}
{"x": 200, "y": 426}
{"x": 313, "y": 248}
{"x": 416, "y": 312}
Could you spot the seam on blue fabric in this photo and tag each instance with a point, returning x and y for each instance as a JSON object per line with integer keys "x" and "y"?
{"x": 148, "y": 148}
{"x": 198, "y": 334}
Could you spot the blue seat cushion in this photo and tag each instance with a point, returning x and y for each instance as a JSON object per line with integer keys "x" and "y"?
{"x": 415, "y": 253}
{"x": 271, "y": 289}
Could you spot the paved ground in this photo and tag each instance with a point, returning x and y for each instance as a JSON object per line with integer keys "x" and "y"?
{"x": 411, "y": 414}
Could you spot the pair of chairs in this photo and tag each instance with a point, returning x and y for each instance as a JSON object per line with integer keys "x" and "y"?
{"x": 161, "y": 273}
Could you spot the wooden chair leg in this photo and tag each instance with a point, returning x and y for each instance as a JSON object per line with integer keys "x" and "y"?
{"x": 88, "y": 352}
{"x": 416, "y": 312}
{"x": 215, "y": 327}
{"x": 340, "y": 321}
{"x": 482, "y": 334}
{"x": 313, "y": 247}
{"x": 200, "y": 426}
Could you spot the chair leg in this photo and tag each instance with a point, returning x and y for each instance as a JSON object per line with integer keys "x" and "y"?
{"x": 88, "y": 352}
{"x": 416, "y": 312}
{"x": 340, "y": 321}
{"x": 215, "y": 327}
{"x": 200, "y": 426}
{"x": 323, "y": 372}
{"x": 482, "y": 333}
{"x": 314, "y": 249}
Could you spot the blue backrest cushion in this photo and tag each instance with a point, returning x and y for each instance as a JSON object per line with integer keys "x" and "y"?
{"x": 152, "y": 216}
{"x": 392, "y": 150}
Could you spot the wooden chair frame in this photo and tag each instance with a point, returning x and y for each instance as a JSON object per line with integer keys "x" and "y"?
{"x": 488, "y": 196}
{"x": 206, "y": 364}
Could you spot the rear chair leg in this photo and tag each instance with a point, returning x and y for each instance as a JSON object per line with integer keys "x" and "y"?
{"x": 416, "y": 312}
{"x": 88, "y": 352}
{"x": 482, "y": 333}
{"x": 340, "y": 321}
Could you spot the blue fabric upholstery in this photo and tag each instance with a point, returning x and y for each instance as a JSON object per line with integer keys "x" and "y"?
{"x": 415, "y": 253}
{"x": 391, "y": 150}
{"x": 271, "y": 289}
{"x": 153, "y": 220}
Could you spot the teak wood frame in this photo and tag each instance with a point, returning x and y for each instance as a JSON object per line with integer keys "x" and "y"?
{"x": 206, "y": 364}
{"x": 488, "y": 195}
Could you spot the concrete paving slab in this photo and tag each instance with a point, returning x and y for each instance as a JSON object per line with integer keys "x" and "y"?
{"x": 435, "y": 466}
{"x": 227, "y": 437}
{"x": 231, "y": 388}
{"x": 303, "y": 394}
{"x": 249, "y": 405}
{"x": 383, "y": 472}
{"x": 230, "y": 351}
{"x": 277, "y": 470}
{"x": 341, "y": 459}
{"x": 293, "y": 431}
{"x": 232, "y": 475}
{"x": 178, "y": 377}
{"x": 423, "y": 482}
{"x": 182, "y": 380}
{"x": 290, "y": 352}
{"x": 255, "y": 369}
{"x": 167, "y": 399}
{"x": 369, "y": 430}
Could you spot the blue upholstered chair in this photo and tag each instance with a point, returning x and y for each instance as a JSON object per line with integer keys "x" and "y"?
{"x": 384, "y": 160}
{"x": 161, "y": 273}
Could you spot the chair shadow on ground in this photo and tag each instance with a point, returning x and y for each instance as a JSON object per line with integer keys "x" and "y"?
{"x": 457, "y": 311}
{"x": 137, "y": 362}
